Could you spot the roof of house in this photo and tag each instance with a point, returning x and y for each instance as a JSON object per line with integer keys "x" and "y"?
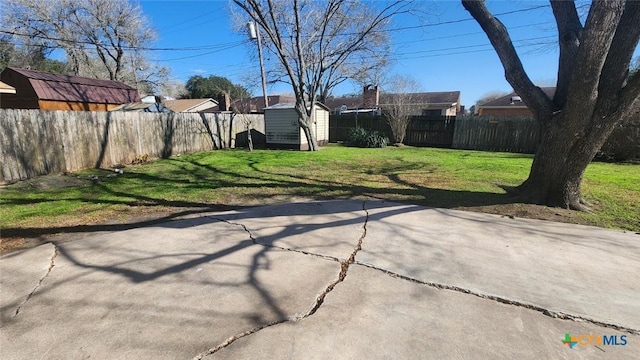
{"x": 292, "y": 105}
{"x": 423, "y": 98}
{"x": 142, "y": 107}
{"x": 48, "y": 86}
{"x": 441, "y": 97}
{"x": 513, "y": 100}
{"x": 188, "y": 105}
{"x": 351, "y": 102}
{"x": 256, "y": 104}
{"x": 6, "y": 88}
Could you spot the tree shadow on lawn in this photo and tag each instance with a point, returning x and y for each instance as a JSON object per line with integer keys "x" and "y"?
{"x": 190, "y": 174}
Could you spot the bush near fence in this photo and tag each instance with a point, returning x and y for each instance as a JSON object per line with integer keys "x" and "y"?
{"x": 35, "y": 142}
{"x": 434, "y": 131}
{"x": 518, "y": 134}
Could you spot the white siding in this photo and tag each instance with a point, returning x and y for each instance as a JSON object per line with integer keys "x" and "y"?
{"x": 450, "y": 111}
{"x": 322, "y": 124}
{"x": 281, "y": 126}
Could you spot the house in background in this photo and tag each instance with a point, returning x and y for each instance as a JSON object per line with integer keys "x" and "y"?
{"x": 191, "y": 105}
{"x": 510, "y": 105}
{"x": 366, "y": 103}
{"x": 148, "y": 107}
{"x": 444, "y": 103}
{"x": 155, "y": 98}
{"x": 47, "y": 91}
{"x": 255, "y": 105}
{"x": 283, "y": 131}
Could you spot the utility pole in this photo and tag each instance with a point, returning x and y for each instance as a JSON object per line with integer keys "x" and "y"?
{"x": 254, "y": 34}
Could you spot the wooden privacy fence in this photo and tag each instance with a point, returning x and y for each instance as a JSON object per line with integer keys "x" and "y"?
{"x": 434, "y": 131}
{"x": 493, "y": 133}
{"x": 35, "y": 142}
{"x": 339, "y": 125}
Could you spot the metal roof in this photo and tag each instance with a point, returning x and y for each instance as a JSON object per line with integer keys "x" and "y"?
{"x": 48, "y": 86}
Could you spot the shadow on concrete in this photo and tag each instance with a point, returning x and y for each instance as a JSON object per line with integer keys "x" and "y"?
{"x": 208, "y": 176}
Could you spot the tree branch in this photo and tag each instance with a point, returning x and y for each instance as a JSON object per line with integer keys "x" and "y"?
{"x": 625, "y": 41}
{"x": 569, "y": 31}
{"x": 597, "y": 36}
{"x": 541, "y": 106}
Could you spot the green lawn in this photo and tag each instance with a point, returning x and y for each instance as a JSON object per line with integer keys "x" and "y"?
{"x": 230, "y": 178}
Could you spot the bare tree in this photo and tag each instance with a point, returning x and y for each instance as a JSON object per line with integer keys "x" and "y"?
{"x": 594, "y": 91}
{"x": 314, "y": 40}
{"x": 101, "y": 38}
{"x": 399, "y": 105}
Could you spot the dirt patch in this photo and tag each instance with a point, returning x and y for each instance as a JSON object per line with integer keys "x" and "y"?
{"x": 129, "y": 217}
{"x": 133, "y": 217}
{"x": 530, "y": 211}
{"x": 52, "y": 182}
{"x": 61, "y": 181}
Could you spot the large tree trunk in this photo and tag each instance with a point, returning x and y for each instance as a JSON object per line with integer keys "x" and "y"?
{"x": 249, "y": 137}
{"x": 560, "y": 161}
{"x": 310, "y": 134}
{"x": 593, "y": 92}
{"x": 306, "y": 122}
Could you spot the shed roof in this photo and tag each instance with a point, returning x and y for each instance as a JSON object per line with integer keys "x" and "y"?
{"x": 48, "y": 86}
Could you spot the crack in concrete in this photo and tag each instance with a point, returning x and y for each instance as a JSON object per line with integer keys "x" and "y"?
{"x": 253, "y": 240}
{"x": 550, "y": 313}
{"x": 232, "y": 339}
{"x": 51, "y": 265}
{"x": 344, "y": 268}
{"x": 344, "y": 265}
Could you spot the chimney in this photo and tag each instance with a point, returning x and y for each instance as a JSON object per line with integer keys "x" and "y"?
{"x": 370, "y": 97}
{"x": 224, "y": 102}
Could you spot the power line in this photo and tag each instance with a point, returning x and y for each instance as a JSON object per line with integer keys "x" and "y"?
{"x": 208, "y": 47}
{"x": 205, "y": 53}
{"x": 83, "y": 42}
{"x": 442, "y": 52}
{"x": 464, "y": 19}
{"x": 465, "y": 34}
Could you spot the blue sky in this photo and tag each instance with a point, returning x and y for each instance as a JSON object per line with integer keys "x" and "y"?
{"x": 442, "y": 50}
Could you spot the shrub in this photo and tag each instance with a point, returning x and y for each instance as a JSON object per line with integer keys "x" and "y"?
{"x": 364, "y": 138}
{"x": 623, "y": 144}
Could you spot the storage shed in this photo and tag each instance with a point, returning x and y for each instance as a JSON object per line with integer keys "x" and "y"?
{"x": 284, "y": 132}
{"x": 47, "y": 91}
